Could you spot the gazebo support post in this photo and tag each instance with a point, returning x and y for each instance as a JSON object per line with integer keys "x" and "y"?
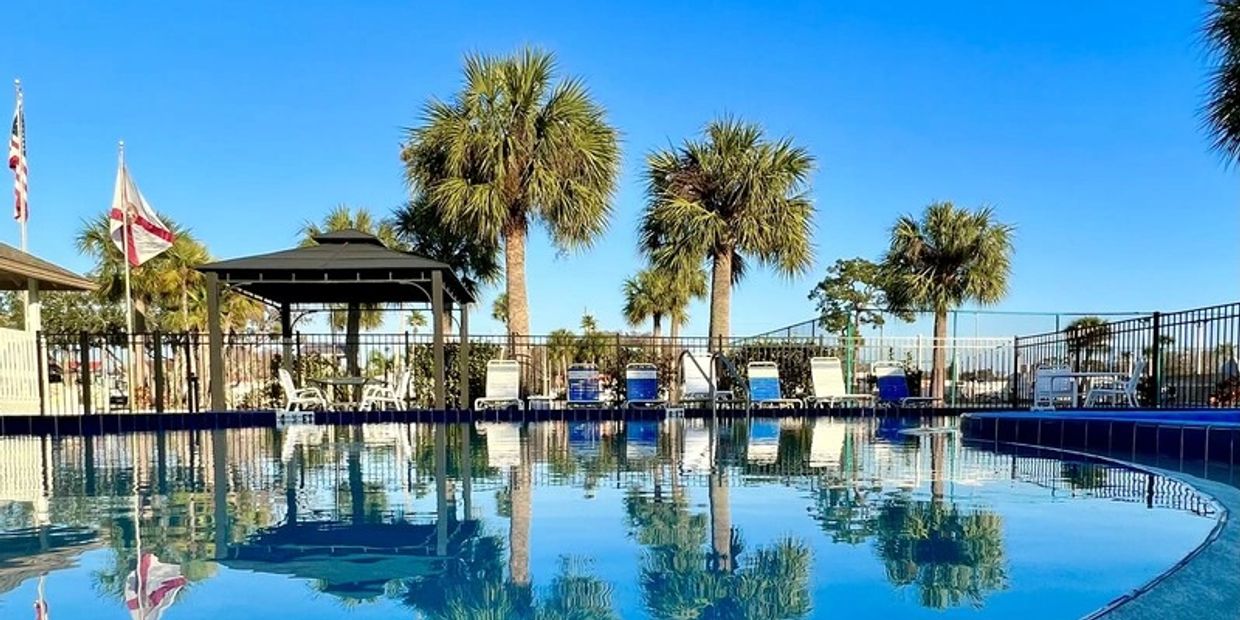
{"x": 215, "y": 343}
{"x": 441, "y": 400}
{"x": 462, "y": 357}
{"x": 286, "y": 337}
{"x": 34, "y": 309}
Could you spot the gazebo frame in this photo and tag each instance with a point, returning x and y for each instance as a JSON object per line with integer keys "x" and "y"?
{"x": 345, "y": 267}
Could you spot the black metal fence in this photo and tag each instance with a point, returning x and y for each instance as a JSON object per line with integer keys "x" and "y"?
{"x": 1183, "y": 359}
{"x": 169, "y": 372}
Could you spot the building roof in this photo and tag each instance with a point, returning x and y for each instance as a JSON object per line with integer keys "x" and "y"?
{"x": 18, "y": 267}
{"x": 343, "y": 266}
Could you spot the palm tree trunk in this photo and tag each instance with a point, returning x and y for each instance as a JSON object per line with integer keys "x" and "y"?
{"x": 519, "y": 522}
{"x": 518, "y": 304}
{"x": 353, "y": 328}
{"x": 720, "y": 297}
{"x": 673, "y": 351}
{"x": 656, "y": 329}
{"x": 938, "y": 373}
{"x": 720, "y": 522}
{"x": 938, "y": 465}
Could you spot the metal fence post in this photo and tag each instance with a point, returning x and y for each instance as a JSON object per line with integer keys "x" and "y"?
{"x": 84, "y": 371}
{"x": 158, "y": 346}
{"x": 41, "y": 364}
{"x": 1016, "y": 381}
{"x": 1156, "y": 363}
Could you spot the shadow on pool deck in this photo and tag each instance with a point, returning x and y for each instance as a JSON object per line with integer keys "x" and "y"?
{"x": 1208, "y": 584}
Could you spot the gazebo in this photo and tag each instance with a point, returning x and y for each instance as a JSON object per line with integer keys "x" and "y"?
{"x": 344, "y": 268}
{"x": 21, "y": 271}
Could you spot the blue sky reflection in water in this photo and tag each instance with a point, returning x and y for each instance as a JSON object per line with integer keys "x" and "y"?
{"x": 809, "y": 518}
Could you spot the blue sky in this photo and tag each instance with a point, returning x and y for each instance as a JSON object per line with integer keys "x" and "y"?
{"x": 1076, "y": 121}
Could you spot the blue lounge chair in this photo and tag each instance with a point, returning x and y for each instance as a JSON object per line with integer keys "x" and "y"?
{"x": 763, "y": 442}
{"x": 764, "y": 388}
{"x": 641, "y": 386}
{"x": 893, "y": 387}
{"x": 583, "y": 386}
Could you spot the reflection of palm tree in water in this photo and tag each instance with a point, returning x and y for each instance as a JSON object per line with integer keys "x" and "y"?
{"x": 684, "y": 576}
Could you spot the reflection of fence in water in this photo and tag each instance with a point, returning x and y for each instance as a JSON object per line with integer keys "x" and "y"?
{"x": 1108, "y": 482}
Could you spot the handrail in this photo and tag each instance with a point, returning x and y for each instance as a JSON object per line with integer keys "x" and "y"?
{"x": 710, "y": 377}
{"x": 736, "y": 377}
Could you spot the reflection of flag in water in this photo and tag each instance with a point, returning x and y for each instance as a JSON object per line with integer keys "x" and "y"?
{"x": 151, "y": 589}
{"x": 40, "y": 605}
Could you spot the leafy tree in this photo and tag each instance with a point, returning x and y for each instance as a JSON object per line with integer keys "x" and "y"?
{"x": 512, "y": 148}
{"x": 421, "y": 229}
{"x": 852, "y": 294}
{"x": 949, "y": 257}
{"x": 732, "y": 196}
{"x": 1222, "y": 109}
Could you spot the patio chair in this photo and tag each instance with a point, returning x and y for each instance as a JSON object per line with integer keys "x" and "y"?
{"x": 696, "y": 386}
{"x": 503, "y": 443}
{"x": 1052, "y": 384}
{"x": 641, "y": 383}
{"x": 1122, "y": 389}
{"x": 699, "y": 450}
{"x": 583, "y": 386}
{"x": 641, "y": 439}
{"x": 300, "y": 399}
{"x": 503, "y": 388}
{"x": 396, "y": 396}
{"x": 764, "y": 388}
{"x": 827, "y": 376}
{"x": 893, "y": 387}
{"x": 827, "y": 442}
{"x": 763, "y": 442}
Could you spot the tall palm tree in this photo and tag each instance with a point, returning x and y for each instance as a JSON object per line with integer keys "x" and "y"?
{"x": 644, "y": 300}
{"x": 947, "y": 258}
{"x": 1222, "y": 109}
{"x": 422, "y": 231}
{"x": 732, "y": 196}
{"x": 353, "y": 317}
{"x": 499, "y": 309}
{"x": 683, "y": 288}
{"x": 512, "y": 148}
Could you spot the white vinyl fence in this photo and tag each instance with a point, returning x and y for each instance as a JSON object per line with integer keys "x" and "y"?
{"x": 19, "y": 374}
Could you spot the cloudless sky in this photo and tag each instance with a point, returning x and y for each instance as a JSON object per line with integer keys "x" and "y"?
{"x": 1076, "y": 121}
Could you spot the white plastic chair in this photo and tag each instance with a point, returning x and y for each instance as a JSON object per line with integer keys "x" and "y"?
{"x": 295, "y": 399}
{"x": 396, "y": 396}
{"x": 1124, "y": 390}
{"x": 827, "y": 376}
{"x": 695, "y": 383}
{"x": 1052, "y": 384}
{"x": 503, "y": 387}
{"x": 764, "y": 386}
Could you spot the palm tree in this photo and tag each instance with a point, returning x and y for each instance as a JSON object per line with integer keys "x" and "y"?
{"x": 354, "y": 317}
{"x": 515, "y": 147}
{"x": 422, "y": 230}
{"x": 499, "y": 309}
{"x": 644, "y": 299}
{"x": 733, "y": 196}
{"x": 950, "y": 257}
{"x": 684, "y": 287}
{"x": 1087, "y": 335}
{"x": 1222, "y": 109}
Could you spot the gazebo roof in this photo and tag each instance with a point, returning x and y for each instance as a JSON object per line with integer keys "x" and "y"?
{"x": 343, "y": 266}
{"x": 18, "y": 267}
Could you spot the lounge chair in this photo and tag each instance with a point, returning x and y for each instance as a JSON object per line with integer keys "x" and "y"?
{"x": 641, "y": 386}
{"x": 764, "y": 388}
{"x": 300, "y": 399}
{"x": 1119, "y": 388}
{"x": 503, "y": 387}
{"x": 699, "y": 455}
{"x": 893, "y": 387}
{"x": 503, "y": 444}
{"x": 394, "y": 397}
{"x": 763, "y": 442}
{"x": 696, "y": 386}
{"x": 583, "y": 386}
{"x": 641, "y": 439}
{"x": 827, "y": 376}
{"x": 826, "y": 442}
{"x": 1052, "y": 384}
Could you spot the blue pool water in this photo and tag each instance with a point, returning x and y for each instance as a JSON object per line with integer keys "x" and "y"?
{"x": 790, "y": 518}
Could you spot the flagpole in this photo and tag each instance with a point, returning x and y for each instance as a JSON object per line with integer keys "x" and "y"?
{"x": 125, "y": 239}
{"x": 17, "y": 85}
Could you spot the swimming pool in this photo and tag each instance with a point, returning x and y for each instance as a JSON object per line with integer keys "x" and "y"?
{"x": 744, "y": 518}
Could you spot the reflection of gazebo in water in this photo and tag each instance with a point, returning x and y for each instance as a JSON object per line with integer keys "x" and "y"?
{"x": 344, "y": 268}
{"x": 29, "y": 553}
{"x": 353, "y": 561}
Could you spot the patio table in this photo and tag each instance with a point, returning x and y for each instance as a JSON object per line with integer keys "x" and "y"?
{"x": 334, "y": 383}
{"x": 1076, "y": 394}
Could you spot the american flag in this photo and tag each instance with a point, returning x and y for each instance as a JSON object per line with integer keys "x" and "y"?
{"x": 17, "y": 163}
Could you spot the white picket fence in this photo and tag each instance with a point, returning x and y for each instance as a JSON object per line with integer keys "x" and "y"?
{"x": 19, "y": 373}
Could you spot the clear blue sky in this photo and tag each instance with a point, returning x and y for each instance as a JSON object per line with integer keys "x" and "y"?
{"x": 1077, "y": 121}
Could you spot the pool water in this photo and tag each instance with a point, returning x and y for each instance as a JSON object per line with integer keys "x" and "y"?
{"x": 743, "y": 518}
